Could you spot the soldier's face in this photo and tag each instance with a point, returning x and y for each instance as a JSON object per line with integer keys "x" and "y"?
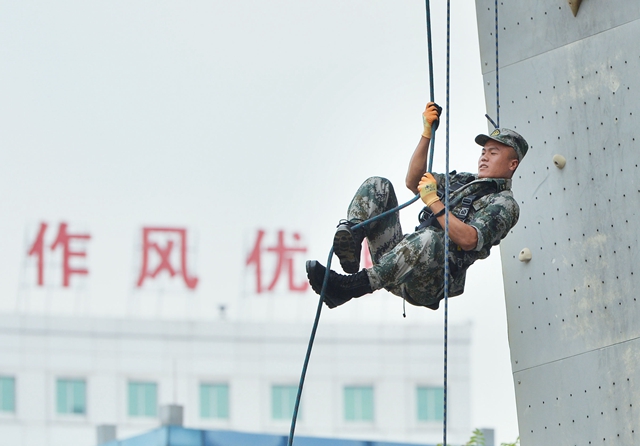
{"x": 497, "y": 160}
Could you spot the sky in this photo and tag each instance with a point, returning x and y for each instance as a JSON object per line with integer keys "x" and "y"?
{"x": 224, "y": 119}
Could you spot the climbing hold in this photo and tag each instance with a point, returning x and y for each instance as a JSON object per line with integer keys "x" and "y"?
{"x": 559, "y": 161}
{"x": 575, "y": 5}
{"x": 525, "y": 255}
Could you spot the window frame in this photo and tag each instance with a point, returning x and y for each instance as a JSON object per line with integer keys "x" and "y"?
{"x": 435, "y": 406}
{"x": 284, "y": 415}
{"x": 215, "y": 384}
{"x": 14, "y": 386}
{"x": 362, "y": 413}
{"x": 148, "y": 384}
{"x": 70, "y": 387}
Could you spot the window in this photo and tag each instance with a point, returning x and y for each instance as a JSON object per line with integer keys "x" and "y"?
{"x": 283, "y": 401}
{"x": 358, "y": 403}
{"x": 143, "y": 399}
{"x": 71, "y": 396}
{"x": 214, "y": 401}
{"x": 430, "y": 403}
{"x": 7, "y": 394}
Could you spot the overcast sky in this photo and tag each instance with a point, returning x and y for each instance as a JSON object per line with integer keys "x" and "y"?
{"x": 224, "y": 118}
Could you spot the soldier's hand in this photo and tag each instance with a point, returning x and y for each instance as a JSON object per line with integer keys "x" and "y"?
{"x": 428, "y": 188}
{"x": 430, "y": 118}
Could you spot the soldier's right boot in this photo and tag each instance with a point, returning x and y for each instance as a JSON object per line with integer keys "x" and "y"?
{"x": 347, "y": 245}
{"x": 340, "y": 288}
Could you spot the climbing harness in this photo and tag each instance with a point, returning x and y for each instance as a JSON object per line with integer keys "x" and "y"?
{"x": 461, "y": 206}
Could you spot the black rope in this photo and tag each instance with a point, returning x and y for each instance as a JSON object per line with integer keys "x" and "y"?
{"x": 308, "y": 355}
{"x": 491, "y": 120}
{"x": 446, "y": 233}
{"x": 497, "y": 123}
{"x": 494, "y": 123}
{"x": 319, "y": 310}
{"x": 431, "y": 86}
{"x": 377, "y": 217}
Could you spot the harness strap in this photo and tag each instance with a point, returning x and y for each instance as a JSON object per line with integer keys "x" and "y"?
{"x": 427, "y": 218}
{"x": 463, "y": 212}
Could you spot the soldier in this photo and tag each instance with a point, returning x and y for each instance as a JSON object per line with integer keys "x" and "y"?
{"x": 482, "y": 211}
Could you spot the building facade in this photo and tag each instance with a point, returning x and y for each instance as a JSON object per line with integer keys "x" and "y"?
{"x": 61, "y": 377}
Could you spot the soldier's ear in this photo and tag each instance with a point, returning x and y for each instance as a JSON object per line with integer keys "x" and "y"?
{"x": 513, "y": 165}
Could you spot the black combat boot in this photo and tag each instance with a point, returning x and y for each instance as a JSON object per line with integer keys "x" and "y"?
{"x": 340, "y": 288}
{"x": 347, "y": 244}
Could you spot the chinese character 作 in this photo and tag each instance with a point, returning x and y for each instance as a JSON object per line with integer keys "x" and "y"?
{"x": 64, "y": 240}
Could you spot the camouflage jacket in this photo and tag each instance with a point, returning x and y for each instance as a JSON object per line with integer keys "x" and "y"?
{"x": 492, "y": 215}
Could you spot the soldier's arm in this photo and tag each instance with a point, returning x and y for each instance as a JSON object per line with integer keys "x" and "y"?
{"x": 462, "y": 234}
{"x": 417, "y": 164}
{"x": 495, "y": 218}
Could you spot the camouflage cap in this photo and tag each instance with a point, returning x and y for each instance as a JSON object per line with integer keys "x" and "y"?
{"x": 508, "y": 137}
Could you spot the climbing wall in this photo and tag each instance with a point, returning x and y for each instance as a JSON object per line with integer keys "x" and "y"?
{"x": 571, "y": 86}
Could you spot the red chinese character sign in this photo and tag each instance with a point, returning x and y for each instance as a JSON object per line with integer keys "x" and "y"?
{"x": 165, "y": 254}
{"x": 69, "y": 247}
{"x": 277, "y": 257}
{"x": 63, "y": 273}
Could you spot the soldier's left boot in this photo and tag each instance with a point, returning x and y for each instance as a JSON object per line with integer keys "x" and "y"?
{"x": 340, "y": 288}
{"x": 347, "y": 244}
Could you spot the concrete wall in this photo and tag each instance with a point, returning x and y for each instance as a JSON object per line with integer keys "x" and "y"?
{"x": 570, "y": 86}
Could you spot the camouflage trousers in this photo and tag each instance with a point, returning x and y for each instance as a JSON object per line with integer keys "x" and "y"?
{"x": 410, "y": 266}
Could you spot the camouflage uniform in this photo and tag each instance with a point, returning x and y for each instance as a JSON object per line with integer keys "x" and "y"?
{"x": 411, "y": 265}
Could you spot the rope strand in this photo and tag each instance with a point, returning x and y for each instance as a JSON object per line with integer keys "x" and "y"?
{"x": 307, "y": 357}
{"x": 446, "y": 230}
{"x": 497, "y": 123}
{"x": 431, "y": 86}
{"x": 377, "y": 217}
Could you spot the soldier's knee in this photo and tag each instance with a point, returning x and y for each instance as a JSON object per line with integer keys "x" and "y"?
{"x": 379, "y": 184}
{"x": 377, "y": 181}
